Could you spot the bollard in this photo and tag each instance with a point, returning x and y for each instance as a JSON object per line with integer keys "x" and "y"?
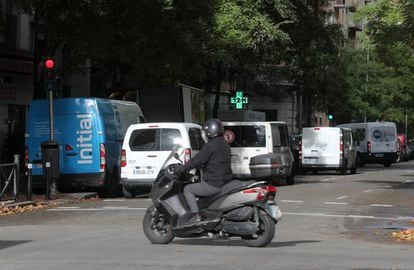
{"x": 16, "y": 160}
{"x": 47, "y": 165}
{"x": 29, "y": 182}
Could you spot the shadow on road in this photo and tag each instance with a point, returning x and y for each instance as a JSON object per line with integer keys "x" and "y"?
{"x": 231, "y": 243}
{"x": 389, "y": 184}
{"x": 7, "y": 244}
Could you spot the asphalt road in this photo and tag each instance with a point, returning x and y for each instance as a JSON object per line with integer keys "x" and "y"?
{"x": 330, "y": 222}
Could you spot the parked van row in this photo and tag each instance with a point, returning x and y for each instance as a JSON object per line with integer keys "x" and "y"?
{"x": 106, "y": 144}
{"x": 348, "y": 146}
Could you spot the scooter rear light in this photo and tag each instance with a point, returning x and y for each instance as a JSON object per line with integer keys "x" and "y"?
{"x": 187, "y": 155}
{"x": 102, "y": 155}
{"x": 123, "y": 162}
{"x": 271, "y": 189}
{"x": 260, "y": 193}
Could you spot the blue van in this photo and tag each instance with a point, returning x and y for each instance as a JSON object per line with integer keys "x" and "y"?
{"x": 89, "y": 132}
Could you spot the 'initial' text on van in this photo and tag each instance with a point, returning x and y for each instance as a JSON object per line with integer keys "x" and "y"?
{"x": 84, "y": 139}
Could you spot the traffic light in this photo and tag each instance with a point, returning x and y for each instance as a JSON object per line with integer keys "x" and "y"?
{"x": 49, "y": 64}
{"x": 330, "y": 116}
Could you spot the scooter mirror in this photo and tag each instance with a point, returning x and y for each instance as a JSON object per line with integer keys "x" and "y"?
{"x": 177, "y": 157}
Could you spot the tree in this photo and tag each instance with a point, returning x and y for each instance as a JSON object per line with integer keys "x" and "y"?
{"x": 388, "y": 89}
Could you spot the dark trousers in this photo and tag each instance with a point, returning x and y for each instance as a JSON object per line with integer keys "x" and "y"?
{"x": 201, "y": 189}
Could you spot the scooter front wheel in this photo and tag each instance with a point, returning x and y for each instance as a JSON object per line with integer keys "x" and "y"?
{"x": 157, "y": 229}
{"x": 265, "y": 233}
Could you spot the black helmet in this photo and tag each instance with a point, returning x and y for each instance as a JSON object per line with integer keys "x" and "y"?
{"x": 213, "y": 128}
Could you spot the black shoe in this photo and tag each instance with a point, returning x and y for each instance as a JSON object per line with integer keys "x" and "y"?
{"x": 194, "y": 220}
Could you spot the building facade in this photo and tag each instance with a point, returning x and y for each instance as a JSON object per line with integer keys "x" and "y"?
{"x": 16, "y": 80}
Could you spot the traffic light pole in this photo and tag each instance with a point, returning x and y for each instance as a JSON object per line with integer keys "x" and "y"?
{"x": 52, "y": 132}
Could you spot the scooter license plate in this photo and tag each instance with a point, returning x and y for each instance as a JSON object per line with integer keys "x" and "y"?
{"x": 274, "y": 211}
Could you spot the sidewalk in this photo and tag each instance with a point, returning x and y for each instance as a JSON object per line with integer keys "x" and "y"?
{"x": 39, "y": 201}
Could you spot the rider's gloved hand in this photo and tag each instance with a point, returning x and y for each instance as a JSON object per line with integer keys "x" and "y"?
{"x": 180, "y": 170}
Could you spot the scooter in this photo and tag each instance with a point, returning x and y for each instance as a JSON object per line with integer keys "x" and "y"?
{"x": 245, "y": 209}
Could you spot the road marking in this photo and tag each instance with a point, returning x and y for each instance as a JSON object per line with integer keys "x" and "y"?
{"x": 115, "y": 207}
{"x": 292, "y": 201}
{"x": 345, "y": 216}
{"x": 381, "y": 205}
{"x": 328, "y": 179}
{"x": 68, "y": 207}
{"x": 342, "y": 197}
{"x": 114, "y": 200}
{"x": 339, "y": 203}
{"x": 97, "y": 209}
{"x": 408, "y": 181}
{"x": 367, "y": 191}
{"x": 63, "y": 209}
{"x": 386, "y": 186}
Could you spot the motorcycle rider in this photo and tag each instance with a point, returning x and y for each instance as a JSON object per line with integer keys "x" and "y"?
{"x": 215, "y": 160}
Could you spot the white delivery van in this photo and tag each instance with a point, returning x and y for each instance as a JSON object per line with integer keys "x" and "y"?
{"x": 147, "y": 146}
{"x": 328, "y": 148}
{"x": 251, "y": 139}
{"x": 375, "y": 142}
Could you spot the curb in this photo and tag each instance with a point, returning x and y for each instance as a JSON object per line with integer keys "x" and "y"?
{"x": 61, "y": 198}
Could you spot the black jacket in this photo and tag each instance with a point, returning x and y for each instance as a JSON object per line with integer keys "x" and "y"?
{"x": 215, "y": 161}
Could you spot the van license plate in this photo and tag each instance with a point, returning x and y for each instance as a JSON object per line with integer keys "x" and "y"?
{"x": 37, "y": 165}
{"x": 379, "y": 155}
{"x": 143, "y": 172}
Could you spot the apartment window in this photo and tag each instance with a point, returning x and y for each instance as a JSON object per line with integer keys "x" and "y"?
{"x": 10, "y": 31}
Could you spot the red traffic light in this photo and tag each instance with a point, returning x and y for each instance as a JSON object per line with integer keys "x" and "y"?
{"x": 49, "y": 63}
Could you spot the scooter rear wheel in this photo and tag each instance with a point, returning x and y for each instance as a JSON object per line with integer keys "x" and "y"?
{"x": 265, "y": 233}
{"x": 157, "y": 230}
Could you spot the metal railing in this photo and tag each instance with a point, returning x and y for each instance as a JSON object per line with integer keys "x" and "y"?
{"x": 9, "y": 181}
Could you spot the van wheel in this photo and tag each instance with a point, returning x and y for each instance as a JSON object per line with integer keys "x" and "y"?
{"x": 354, "y": 169}
{"x": 127, "y": 194}
{"x": 111, "y": 188}
{"x": 359, "y": 162}
{"x": 344, "y": 167}
{"x": 290, "y": 179}
{"x": 387, "y": 164}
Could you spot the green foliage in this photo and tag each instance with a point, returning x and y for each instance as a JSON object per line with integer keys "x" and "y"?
{"x": 381, "y": 87}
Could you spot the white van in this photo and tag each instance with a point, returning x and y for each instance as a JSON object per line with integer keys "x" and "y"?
{"x": 250, "y": 139}
{"x": 376, "y": 142}
{"x": 328, "y": 148}
{"x": 147, "y": 146}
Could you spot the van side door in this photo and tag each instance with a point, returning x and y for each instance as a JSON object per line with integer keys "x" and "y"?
{"x": 349, "y": 148}
{"x": 280, "y": 139}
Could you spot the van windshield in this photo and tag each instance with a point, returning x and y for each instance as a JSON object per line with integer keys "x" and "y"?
{"x": 154, "y": 139}
{"x": 247, "y": 136}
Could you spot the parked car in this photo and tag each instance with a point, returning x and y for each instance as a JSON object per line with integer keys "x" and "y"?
{"x": 402, "y": 148}
{"x": 375, "y": 142}
{"x": 328, "y": 148}
{"x": 147, "y": 146}
{"x": 252, "y": 139}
